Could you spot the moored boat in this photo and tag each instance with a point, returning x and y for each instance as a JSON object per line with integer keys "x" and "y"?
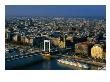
{"x": 73, "y": 63}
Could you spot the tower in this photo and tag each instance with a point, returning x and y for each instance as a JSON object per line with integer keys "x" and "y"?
{"x": 47, "y": 41}
{"x": 46, "y": 48}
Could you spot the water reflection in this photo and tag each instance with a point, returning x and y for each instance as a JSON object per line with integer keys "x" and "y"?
{"x": 47, "y": 64}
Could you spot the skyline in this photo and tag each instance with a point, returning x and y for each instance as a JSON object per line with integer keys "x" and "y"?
{"x": 55, "y": 10}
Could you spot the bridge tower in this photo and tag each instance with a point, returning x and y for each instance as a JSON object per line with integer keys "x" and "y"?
{"x": 46, "y": 51}
{"x": 47, "y": 41}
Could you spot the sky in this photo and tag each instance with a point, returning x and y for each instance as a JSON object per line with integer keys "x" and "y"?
{"x": 55, "y": 10}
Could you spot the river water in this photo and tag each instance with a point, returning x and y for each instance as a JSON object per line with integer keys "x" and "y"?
{"x": 30, "y": 63}
{"x": 47, "y": 64}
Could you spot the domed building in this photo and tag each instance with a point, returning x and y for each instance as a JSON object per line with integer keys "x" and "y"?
{"x": 97, "y": 51}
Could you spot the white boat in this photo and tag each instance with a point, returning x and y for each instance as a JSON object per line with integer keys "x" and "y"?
{"x": 85, "y": 66}
{"x": 73, "y": 63}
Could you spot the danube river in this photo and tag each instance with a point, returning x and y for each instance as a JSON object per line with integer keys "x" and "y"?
{"x": 37, "y": 62}
{"x": 46, "y": 64}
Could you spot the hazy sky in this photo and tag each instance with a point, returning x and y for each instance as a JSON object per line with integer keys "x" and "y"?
{"x": 55, "y": 10}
